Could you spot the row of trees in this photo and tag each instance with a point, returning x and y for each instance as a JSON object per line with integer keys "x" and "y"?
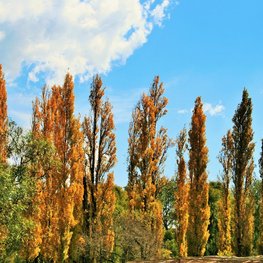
{"x": 67, "y": 164}
{"x": 236, "y": 228}
{"x": 59, "y": 203}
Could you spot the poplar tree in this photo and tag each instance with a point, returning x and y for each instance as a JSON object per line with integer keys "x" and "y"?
{"x": 146, "y": 156}
{"x": 3, "y": 117}
{"x": 199, "y": 211}
{"x": 47, "y": 196}
{"x": 68, "y": 177}
{"x": 260, "y": 242}
{"x": 98, "y": 181}
{"x": 181, "y": 195}
{"x": 243, "y": 166}
{"x": 224, "y": 221}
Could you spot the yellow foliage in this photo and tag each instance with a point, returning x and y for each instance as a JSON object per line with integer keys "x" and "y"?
{"x": 224, "y": 217}
{"x": 61, "y": 191}
{"x": 199, "y": 211}
{"x": 181, "y": 196}
{"x": 100, "y": 152}
{"x": 3, "y": 117}
{"x": 147, "y": 154}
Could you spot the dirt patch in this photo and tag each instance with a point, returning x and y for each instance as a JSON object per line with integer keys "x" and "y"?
{"x": 210, "y": 259}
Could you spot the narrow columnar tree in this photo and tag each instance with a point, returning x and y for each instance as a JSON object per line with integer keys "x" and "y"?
{"x": 47, "y": 196}
{"x": 243, "y": 166}
{"x": 60, "y": 186}
{"x": 100, "y": 157}
{"x": 147, "y": 154}
{"x": 199, "y": 211}
{"x": 68, "y": 141}
{"x": 224, "y": 219}
{"x": 3, "y": 117}
{"x": 260, "y": 242}
{"x": 181, "y": 195}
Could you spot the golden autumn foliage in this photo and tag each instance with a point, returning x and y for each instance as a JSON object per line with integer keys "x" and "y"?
{"x": 181, "y": 195}
{"x": 147, "y": 154}
{"x": 57, "y": 198}
{"x": 224, "y": 218}
{"x": 100, "y": 157}
{"x": 199, "y": 211}
{"x": 3, "y": 117}
{"x": 3, "y": 139}
{"x": 60, "y": 191}
{"x": 243, "y": 166}
{"x": 48, "y": 185}
{"x": 68, "y": 141}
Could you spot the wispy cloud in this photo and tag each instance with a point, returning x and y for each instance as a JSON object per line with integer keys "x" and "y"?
{"x": 208, "y": 108}
{"x": 213, "y": 110}
{"x": 2, "y": 35}
{"x": 158, "y": 13}
{"x": 182, "y": 111}
{"x": 84, "y": 36}
{"x": 23, "y": 119}
{"x": 20, "y": 99}
{"x": 123, "y": 105}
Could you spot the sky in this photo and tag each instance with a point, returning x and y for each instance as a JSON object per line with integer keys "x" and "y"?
{"x": 206, "y": 48}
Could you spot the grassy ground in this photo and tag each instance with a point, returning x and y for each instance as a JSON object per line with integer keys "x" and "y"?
{"x": 211, "y": 259}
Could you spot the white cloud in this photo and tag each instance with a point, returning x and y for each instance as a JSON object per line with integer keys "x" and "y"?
{"x": 158, "y": 13}
{"x": 182, "y": 111}
{"x": 124, "y": 104}
{"x": 213, "y": 110}
{"x": 85, "y": 36}
{"x": 21, "y": 118}
{"x": 2, "y": 35}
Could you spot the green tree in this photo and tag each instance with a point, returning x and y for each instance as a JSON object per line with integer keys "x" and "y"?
{"x": 18, "y": 190}
{"x": 15, "y": 196}
{"x": 213, "y": 201}
{"x": 243, "y": 167}
{"x": 167, "y": 198}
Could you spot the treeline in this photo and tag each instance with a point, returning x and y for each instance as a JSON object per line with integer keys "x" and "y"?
{"x": 59, "y": 203}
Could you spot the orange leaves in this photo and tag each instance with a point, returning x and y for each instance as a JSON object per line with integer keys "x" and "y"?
{"x": 100, "y": 157}
{"x": 181, "y": 195}
{"x": 147, "y": 154}
{"x": 199, "y": 211}
{"x": 224, "y": 220}
{"x": 62, "y": 191}
{"x": 3, "y": 117}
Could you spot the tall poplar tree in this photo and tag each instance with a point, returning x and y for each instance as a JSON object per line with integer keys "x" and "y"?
{"x": 98, "y": 181}
{"x": 181, "y": 195}
{"x": 68, "y": 140}
{"x": 224, "y": 221}
{"x": 3, "y": 117}
{"x": 260, "y": 241}
{"x": 243, "y": 166}
{"x": 47, "y": 196}
{"x": 199, "y": 211}
{"x": 147, "y": 153}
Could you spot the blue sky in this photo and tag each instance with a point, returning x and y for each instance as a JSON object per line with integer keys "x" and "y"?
{"x": 211, "y": 49}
